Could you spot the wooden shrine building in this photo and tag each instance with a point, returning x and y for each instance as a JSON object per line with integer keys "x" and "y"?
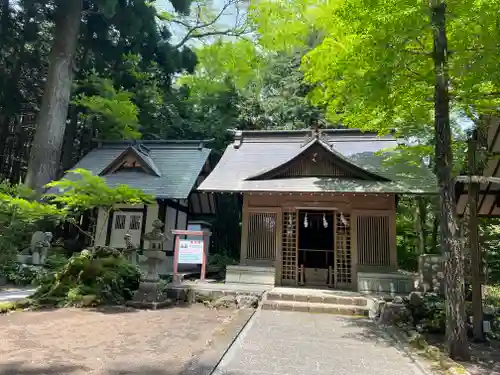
{"x": 488, "y": 202}
{"x": 168, "y": 170}
{"x": 319, "y": 207}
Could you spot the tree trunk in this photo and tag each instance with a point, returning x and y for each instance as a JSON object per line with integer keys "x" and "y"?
{"x": 47, "y": 144}
{"x": 456, "y": 333}
{"x": 69, "y": 140}
{"x": 4, "y": 118}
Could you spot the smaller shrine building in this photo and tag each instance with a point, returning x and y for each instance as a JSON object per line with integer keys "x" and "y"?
{"x": 319, "y": 207}
{"x": 168, "y": 170}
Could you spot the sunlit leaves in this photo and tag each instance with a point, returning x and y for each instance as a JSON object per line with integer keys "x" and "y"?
{"x": 82, "y": 191}
{"x": 239, "y": 62}
{"x": 373, "y": 68}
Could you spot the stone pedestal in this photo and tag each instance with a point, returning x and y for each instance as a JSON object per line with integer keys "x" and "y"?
{"x": 35, "y": 257}
{"x": 154, "y": 258}
{"x": 149, "y": 295}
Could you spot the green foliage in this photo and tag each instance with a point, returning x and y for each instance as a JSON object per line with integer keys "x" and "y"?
{"x": 114, "y": 113}
{"x": 372, "y": 67}
{"x": 489, "y": 231}
{"x": 6, "y": 307}
{"x": 95, "y": 276}
{"x": 19, "y": 216}
{"x": 21, "y": 274}
{"x": 429, "y": 316}
{"x": 87, "y": 191}
{"x": 238, "y": 62}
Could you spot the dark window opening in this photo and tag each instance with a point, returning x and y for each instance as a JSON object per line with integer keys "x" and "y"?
{"x": 316, "y": 239}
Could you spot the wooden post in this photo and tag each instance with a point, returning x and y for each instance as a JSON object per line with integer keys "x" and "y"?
{"x": 204, "y": 264}
{"x": 475, "y": 251}
{"x": 175, "y": 277}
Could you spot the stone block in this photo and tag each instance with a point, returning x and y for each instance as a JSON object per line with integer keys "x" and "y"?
{"x": 268, "y": 306}
{"x": 274, "y": 296}
{"x": 303, "y": 307}
{"x": 360, "y": 301}
{"x": 287, "y": 297}
{"x": 392, "y": 283}
{"x": 316, "y": 299}
{"x": 431, "y": 274}
{"x": 317, "y": 308}
{"x": 301, "y": 298}
{"x": 331, "y": 300}
{"x": 285, "y": 306}
{"x": 250, "y": 275}
{"x": 345, "y": 301}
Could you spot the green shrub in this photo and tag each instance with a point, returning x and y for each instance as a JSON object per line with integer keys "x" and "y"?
{"x": 22, "y": 274}
{"x": 428, "y": 316}
{"x": 56, "y": 261}
{"x": 95, "y": 276}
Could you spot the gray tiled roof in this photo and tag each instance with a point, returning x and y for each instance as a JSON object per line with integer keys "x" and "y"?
{"x": 262, "y": 151}
{"x": 178, "y": 163}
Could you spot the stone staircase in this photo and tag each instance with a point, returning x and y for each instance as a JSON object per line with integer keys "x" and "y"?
{"x": 316, "y": 301}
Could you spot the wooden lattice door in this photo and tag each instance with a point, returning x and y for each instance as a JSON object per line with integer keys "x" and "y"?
{"x": 289, "y": 248}
{"x": 343, "y": 254}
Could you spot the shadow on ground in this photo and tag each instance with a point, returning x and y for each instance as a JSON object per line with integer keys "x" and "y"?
{"x": 370, "y": 332}
{"x": 23, "y": 369}
{"x": 485, "y": 356}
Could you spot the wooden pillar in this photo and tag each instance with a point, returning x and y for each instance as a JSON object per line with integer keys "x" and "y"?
{"x": 393, "y": 246}
{"x": 244, "y": 230}
{"x": 354, "y": 250}
{"x": 475, "y": 251}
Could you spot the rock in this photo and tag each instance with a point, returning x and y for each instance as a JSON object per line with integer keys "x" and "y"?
{"x": 416, "y": 299}
{"x": 393, "y": 313}
{"x": 398, "y": 300}
{"x": 418, "y": 341}
{"x": 377, "y": 307}
{"x": 433, "y": 352}
{"x": 246, "y": 301}
{"x": 224, "y": 302}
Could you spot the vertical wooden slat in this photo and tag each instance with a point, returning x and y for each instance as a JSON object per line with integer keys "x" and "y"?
{"x": 373, "y": 240}
{"x": 262, "y": 235}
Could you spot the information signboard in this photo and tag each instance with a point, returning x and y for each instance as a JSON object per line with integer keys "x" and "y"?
{"x": 190, "y": 251}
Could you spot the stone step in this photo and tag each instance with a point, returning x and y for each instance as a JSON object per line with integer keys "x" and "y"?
{"x": 330, "y": 299}
{"x": 313, "y": 307}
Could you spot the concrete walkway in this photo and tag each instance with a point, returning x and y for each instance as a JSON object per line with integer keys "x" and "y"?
{"x": 293, "y": 343}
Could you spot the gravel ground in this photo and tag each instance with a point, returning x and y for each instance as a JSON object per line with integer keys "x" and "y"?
{"x": 112, "y": 342}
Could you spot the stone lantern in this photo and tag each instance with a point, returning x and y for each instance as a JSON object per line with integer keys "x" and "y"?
{"x": 149, "y": 294}
{"x": 154, "y": 254}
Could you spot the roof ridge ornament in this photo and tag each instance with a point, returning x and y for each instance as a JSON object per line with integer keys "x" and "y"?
{"x": 238, "y": 139}
{"x": 316, "y": 133}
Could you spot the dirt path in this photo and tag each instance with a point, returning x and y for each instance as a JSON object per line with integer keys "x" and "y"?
{"x": 75, "y": 341}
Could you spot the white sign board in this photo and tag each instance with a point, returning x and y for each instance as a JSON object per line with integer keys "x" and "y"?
{"x": 190, "y": 252}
